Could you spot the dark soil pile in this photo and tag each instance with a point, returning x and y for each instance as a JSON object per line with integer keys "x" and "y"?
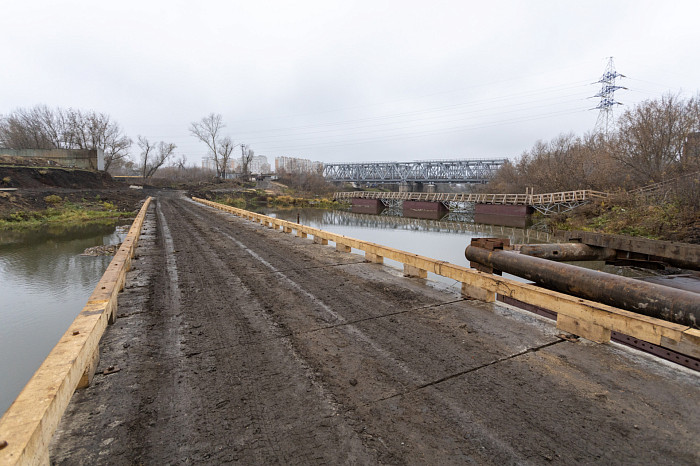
{"x": 27, "y": 177}
{"x": 35, "y": 181}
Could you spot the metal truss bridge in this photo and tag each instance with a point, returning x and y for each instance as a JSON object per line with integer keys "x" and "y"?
{"x": 427, "y": 171}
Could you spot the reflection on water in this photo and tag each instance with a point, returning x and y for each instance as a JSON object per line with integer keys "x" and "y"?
{"x": 368, "y": 209}
{"x": 44, "y": 283}
{"x": 443, "y": 239}
{"x": 505, "y": 220}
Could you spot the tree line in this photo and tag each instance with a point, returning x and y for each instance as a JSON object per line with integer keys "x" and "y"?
{"x": 655, "y": 141}
{"x": 42, "y": 127}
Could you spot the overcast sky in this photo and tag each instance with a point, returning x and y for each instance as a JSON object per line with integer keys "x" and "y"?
{"x": 346, "y": 81}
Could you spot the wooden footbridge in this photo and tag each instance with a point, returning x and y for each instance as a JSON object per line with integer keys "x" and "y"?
{"x": 545, "y": 203}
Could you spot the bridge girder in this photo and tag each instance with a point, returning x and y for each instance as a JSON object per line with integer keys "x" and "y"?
{"x": 429, "y": 171}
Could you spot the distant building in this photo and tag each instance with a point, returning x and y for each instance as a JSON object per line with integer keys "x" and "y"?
{"x": 295, "y": 165}
{"x": 257, "y": 165}
{"x": 208, "y": 163}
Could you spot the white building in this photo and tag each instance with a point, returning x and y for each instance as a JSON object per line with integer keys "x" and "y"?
{"x": 295, "y": 165}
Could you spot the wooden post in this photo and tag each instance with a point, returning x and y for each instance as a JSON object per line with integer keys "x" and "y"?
{"x": 414, "y": 272}
{"x": 90, "y": 369}
{"x": 342, "y": 247}
{"x": 583, "y": 329}
{"x": 319, "y": 240}
{"x": 375, "y": 258}
{"x": 475, "y": 292}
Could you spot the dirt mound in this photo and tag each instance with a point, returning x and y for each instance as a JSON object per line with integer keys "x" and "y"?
{"x": 28, "y": 161}
{"x": 35, "y": 177}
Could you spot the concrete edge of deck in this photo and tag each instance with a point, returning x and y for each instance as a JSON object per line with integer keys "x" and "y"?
{"x": 28, "y": 424}
{"x": 589, "y": 319}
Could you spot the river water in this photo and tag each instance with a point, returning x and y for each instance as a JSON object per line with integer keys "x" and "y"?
{"x": 44, "y": 284}
{"x": 443, "y": 239}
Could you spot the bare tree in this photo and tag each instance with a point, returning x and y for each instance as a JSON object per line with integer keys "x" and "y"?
{"x": 180, "y": 162}
{"x": 225, "y": 149}
{"x": 247, "y": 155}
{"x": 41, "y": 127}
{"x": 651, "y": 136}
{"x": 208, "y": 130}
{"x": 153, "y": 155}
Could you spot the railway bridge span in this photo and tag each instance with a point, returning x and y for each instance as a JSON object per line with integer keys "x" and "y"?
{"x": 473, "y": 171}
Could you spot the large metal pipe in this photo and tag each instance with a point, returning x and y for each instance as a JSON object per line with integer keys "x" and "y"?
{"x": 650, "y": 299}
{"x": 566, "y": 252}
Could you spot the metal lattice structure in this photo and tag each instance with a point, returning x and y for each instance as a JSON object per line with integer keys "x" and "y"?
{"x": 429, "y": 171}
{"x": 608, "y": 83}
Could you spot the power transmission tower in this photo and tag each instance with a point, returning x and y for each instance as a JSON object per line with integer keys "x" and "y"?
{"x": 607, "y": 102}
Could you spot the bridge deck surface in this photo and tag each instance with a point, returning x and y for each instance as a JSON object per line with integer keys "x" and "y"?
{"x": 239, "y": 343}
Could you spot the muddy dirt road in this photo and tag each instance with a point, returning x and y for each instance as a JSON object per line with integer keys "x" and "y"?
{"x": 237, "y": 343}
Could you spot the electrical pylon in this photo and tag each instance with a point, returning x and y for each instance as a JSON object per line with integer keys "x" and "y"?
{"x": 607, "y": 102}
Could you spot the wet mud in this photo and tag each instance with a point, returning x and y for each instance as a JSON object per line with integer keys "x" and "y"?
{"x": 238, "y": 343}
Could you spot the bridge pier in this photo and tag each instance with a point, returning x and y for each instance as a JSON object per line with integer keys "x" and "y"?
{"x": 367, "y": 206}
{"x": 424, "y": 209}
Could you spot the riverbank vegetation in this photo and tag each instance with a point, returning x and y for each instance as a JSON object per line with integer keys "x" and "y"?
{"x": 649, "y": 163}
{"x": 258, "y": 199}
{"x": 59, "y": 210}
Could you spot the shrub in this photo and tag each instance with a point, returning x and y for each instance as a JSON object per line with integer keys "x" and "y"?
{"x": 53, "y": 199}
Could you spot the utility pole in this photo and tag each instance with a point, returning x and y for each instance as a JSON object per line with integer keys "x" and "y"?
{"x": 607, "y": 102}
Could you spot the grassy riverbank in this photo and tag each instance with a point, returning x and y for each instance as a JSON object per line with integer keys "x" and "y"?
{"x": 252, "y": 200}
{"x": 631, "y": 215}
{"x": 63, "y": 212}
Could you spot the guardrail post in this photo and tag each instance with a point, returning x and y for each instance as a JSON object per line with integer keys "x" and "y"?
{"x": 414, "y": 272}
{"x": 375, "y": 258}
{"x": 583, "y": 329}
{"x": 301, "y": 234}
{"x": 286, "y": 229}
{"x": 89, "y": 372}
{"x": 340, "y": 247}
{"x": 319, "y": 240}
{"x": 475, "y": 292}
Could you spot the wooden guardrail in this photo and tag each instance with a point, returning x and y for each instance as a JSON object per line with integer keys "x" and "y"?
{"x": 588, "y": 319}
{"x": 27, "y": 426}
{"x": 477, "y": 198}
